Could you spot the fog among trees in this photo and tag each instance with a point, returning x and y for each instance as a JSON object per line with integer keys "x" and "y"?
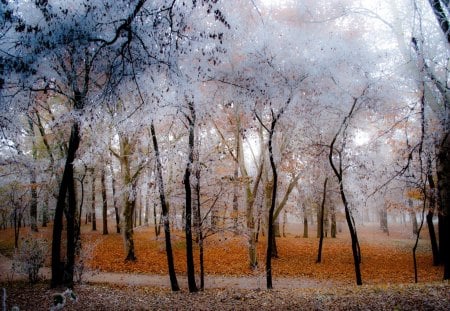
{"x": 248, "y": 118}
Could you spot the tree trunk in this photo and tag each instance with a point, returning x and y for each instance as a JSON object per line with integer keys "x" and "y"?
{"x": 129, "y": 197}
{"x": 284, "y": 223}
{"x": 322, "y": 212}
{"x": 305, "y": 222}
{"x": 188, "y": 205}
{"x": 34, "y": 201}
{"x": 58, "y": 266}
{"x": 384, "y": 219}
{"x": 116, "y": 206}
{"x": 165, "y": 212}
{"x": 105, "y": 203}
{"x": 443, "y": 174}
{"x": 93, "y": 215}
{"x": 128, "y": 227}
{"x": 333, "y": 229}
{"x": 412, "y": 215}
{"x": 236, "y": 185}
{"x": 270, "y": 233}
{"x": 45, "y": 211}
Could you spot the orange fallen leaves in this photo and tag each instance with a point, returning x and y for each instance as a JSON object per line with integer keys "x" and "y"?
{"x": 382, "y": 261}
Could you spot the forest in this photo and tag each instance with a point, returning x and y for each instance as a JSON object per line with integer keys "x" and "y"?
{"x": 195, "y": 144}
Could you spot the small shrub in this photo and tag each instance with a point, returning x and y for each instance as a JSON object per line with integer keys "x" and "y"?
{"x": 30, "y": 257}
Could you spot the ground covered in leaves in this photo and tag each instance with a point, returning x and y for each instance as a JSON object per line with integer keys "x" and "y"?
{"x": 385, "y": 259}
{"x": 433, "y": 296}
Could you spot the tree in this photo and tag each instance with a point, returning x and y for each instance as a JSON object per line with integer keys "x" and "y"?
{"x": 165, "y": 212}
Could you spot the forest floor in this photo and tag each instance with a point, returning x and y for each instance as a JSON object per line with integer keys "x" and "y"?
{"x": 300, "y": 283}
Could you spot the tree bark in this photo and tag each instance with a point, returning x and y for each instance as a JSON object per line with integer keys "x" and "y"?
{"x": 165, "y": 212}
{"x": 443, "y": 173}
{"x": 188, "y": 205}
{"x": 129, "y": 198}
{"x": 105, "y": 203}
{"x": 116, "y": 206}
{"x": 270, "y": 233}
{"x": 57, "y": 278}
{"x": 93, "y": 215}
{"x": 322, "y": 212}
{"x": 338, "y": 171}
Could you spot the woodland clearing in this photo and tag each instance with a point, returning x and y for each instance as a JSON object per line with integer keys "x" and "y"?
{"x": 111, "y": 284}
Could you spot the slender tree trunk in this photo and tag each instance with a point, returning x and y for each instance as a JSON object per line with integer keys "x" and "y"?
{"x": 284, "y": 223}
{"x": 188, "y": 205}
{"x": 147, "y": 203}
{"x": 93, "y": 214}
{"x": 322, "y": 212}
{"x": 270, "y": 233}
{"x": 305, "y": 222}
{"x": 333, "y": 229}
{"x": 34, "y": 201}
{"x": 45, "y": 211}
{"x": 105, "y": 203}
{"x": 57, "y": 265}
{"x": 349, "y": 218}
{"x": 412, "y": 215}
{"x": 116, "y": 206}
{"x": 165, "y": 212}
{"x": 235, "y": 195}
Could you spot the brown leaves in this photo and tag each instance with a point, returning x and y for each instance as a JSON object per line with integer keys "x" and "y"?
{"x": 383, "y": 261}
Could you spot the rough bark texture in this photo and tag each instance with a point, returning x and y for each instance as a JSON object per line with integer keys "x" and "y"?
{"x": 129, "y": 198}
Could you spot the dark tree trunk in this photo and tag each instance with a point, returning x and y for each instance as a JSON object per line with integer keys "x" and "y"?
{"x": 128, "y": 229}
{"x": 338, "y": 171}
{"x": 57, "y": 265}
{"x": 165, "y": 212}
{"x": 443, "y": 173}
{"x": 270, "y": 231}
{"x": 188, "y": 205}
{"x": 284, "y": 223}
{"x": 71, "y": 234}
{"x": 319, "y": 223}
{"x": 105, "y": 203}
{"x": 322, "y": 212}
{"x": 94, "y": 217}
